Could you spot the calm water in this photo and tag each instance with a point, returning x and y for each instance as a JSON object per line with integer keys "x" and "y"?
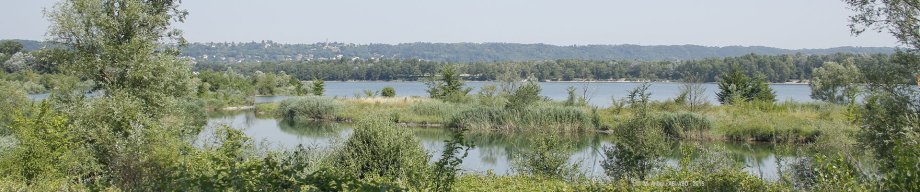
{"x": 599, "y": 93}
{"x": 492, "y": 152}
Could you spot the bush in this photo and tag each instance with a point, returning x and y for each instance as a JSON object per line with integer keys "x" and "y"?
{"x": 307, "y": 108}
{"x": 680, "y": 125}
{"x": 379, "y": 150}
{"x": 735, "y": 87}
{"x": 524, "y": 96}
{"x": 388, "y": 92}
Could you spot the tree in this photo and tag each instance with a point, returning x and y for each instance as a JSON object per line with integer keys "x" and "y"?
{"x": 891, "y": 114}
{"x": 447, "y": 85}
{"x": 18, "y": 62}
{"x": 319, "y": 86}
{"x": 10, "y": 47}
{"x": 693, "y": 92}
{"x": 298, "y": 86}
{"x": 524, "y": 96}
{"x": 388, "y": 92}
{"x": 760, "y": 90}
{"x": 732, "y": 86}
{"x": 126, "y": 46}
{"x": 735, "y": 86}
{"x": 835, "y": 83}
{"x": 48, "y": 60}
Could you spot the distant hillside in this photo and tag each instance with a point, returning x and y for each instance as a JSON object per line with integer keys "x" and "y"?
{"x": 477, "y": 52}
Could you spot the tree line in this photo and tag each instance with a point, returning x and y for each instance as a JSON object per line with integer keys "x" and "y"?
{"x": 236, "y": 52}
{"x": 774, "y": 68}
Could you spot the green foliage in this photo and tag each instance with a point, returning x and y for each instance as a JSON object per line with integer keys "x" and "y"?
{"x": 524, "y": 96}
{"x": 10, "y": 47}
{"x": 388, "y": 92}
{"x": 638, "y": 149}
{"x": 442, "y": 111}
{"x": 11, "y": 99}
{"x": 370, "y": 93}
{"x": 276, "y": 84}
{"x": 47, "y": 152}
{"x": 489, "y": 96}
{"x": 319, "y": 87}
{"x": 684, "y": 125}
{"x": 225, "y": 88}
{"x": 379, "y": 150}
{"x": 124, "y": 57}
{"x": 835, "y": 83}
{"x": 547, "y": 157}
{"x": 18, "y": 62}
{"x": 309, "y": 108}
{"x": 735, "y": 86}
{"x": 556, "y": 118}
{"x": 712, "y": 171}
{"x": 837, "y": 172}
{"x": 638, "y": 97}
{"x": 446, "y": 169}
{"x": 902, "y": 176}
{"x": 448, "y": 86}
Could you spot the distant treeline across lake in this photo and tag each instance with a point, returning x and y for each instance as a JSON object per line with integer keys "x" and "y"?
{"x": 598, "y": 93}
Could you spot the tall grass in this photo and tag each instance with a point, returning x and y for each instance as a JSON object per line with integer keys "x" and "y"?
{"x": 786, "y": 122}
{"x": 437, "y": 111}
{"x": 567, "y": 119}
{"x": 683, "y": 124}
{"x": 309, "y": 108}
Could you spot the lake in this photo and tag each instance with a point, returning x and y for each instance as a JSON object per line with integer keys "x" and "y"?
{"x": 492, "y": 152}
{"x": 599, "y": 93}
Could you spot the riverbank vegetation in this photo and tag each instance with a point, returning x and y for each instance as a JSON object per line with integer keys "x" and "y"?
{"x": 125, "y": 113}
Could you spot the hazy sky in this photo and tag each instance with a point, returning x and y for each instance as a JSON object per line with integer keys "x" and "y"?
{"x": 776, "y": 23}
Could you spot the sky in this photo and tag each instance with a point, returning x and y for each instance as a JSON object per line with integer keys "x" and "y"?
{"x": 791, "y": 24}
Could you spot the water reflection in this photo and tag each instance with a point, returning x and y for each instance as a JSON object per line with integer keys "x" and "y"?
{"x": 492, "y": 152}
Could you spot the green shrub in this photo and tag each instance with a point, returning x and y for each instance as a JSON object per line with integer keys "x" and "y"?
{"x": 524, "y": 96}
{"x": 681, "y": 125}
{"x": 637, "y": 151}
{"x": 319, "y": 87}
{"x": 379, "y": 150}
{"x": 548, "y": 157}
{"x": 388, "y": 92}
{"x": 707, "y": 170}
{"x": 310, "y": 107}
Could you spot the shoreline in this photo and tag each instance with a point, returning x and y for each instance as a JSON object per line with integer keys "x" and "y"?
{"x": 592, "y": 81}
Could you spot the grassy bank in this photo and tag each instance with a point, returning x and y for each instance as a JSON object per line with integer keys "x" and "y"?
{"x": 786, "y": 122}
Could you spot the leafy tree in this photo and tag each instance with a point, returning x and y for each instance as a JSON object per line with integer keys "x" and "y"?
{"x": 319, "y": 87}
{"x": 11, "y": 99}
{"x": 10, "y": 47}
{"x": 48, "y": 60}
{"x": 735, "y": 86}
{"x": 18, "y": 62}
{"x": 835, "y": 83}
{"x": 524, "y": 96}
{"x": 760, "y": 90}
{"x": 388, "y": 92}
{"x": 126, "y": 46}
{"x": 448, "y": 86}
{"x": 298, "y": 86}
{"x": 891, "y": 114}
